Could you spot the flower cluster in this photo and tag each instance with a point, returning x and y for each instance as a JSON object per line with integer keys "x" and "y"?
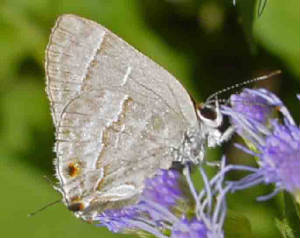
{"x": 274, "y": 141}
{"x": 155, "y": 212}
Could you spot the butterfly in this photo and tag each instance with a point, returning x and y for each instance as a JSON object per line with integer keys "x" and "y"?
{"x": 118, "y": 117}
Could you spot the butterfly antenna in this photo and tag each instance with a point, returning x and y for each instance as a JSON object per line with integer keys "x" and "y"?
{"x": 44, "y": 207}
{"x": 238, "y": 85}
{"x": 220, "y": 101}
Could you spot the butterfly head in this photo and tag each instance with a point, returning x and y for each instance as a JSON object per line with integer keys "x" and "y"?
{"x": 211, "y": 123}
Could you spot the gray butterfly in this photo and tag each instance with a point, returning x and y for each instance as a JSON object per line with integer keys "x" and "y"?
{"x": 119, "y": 117}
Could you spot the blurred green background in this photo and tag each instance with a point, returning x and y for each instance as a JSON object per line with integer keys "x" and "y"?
{"x": 206, "y": 44}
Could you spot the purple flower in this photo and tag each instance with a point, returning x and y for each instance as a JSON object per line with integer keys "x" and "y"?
{"x": 161, "y": 193}
{"x": 252, "y": 104}
{"x": 154, "y": 213}
{"x": 276, "y": 144}
{"x": 280, "y": 157}
{"x": 164, "y": 188}
{"x": 116, "y": 220}
{"x": 189, "y": 229}
{"x": 251, "y": 109}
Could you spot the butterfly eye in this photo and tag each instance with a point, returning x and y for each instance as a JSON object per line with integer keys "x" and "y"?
{"x": 208, "y": 113}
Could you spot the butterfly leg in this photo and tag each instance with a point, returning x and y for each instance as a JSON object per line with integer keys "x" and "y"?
{"x": 227, "y": 134}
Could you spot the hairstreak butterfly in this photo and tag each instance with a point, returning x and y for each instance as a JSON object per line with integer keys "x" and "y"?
{"x": 118, "y": 116}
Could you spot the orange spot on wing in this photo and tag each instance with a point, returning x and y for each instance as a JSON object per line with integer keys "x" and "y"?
{"x": 75, "y": 207}
{"x": 73, "y": 169}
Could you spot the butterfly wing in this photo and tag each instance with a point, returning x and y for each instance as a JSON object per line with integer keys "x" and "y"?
{"x": 117, "y": 115}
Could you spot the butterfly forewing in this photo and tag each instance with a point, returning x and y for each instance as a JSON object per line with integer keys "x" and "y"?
{"x": 116, "y": 114}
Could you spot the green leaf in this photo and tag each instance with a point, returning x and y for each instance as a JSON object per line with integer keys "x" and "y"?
{"x": 237, "y": 226}
{"x": 284, "y": 228}
{"x": 278, "y": 30}
{"x": 289, "y": 221}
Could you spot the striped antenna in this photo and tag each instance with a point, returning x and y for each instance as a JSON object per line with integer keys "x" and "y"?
{"x": 238, "y": 85}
